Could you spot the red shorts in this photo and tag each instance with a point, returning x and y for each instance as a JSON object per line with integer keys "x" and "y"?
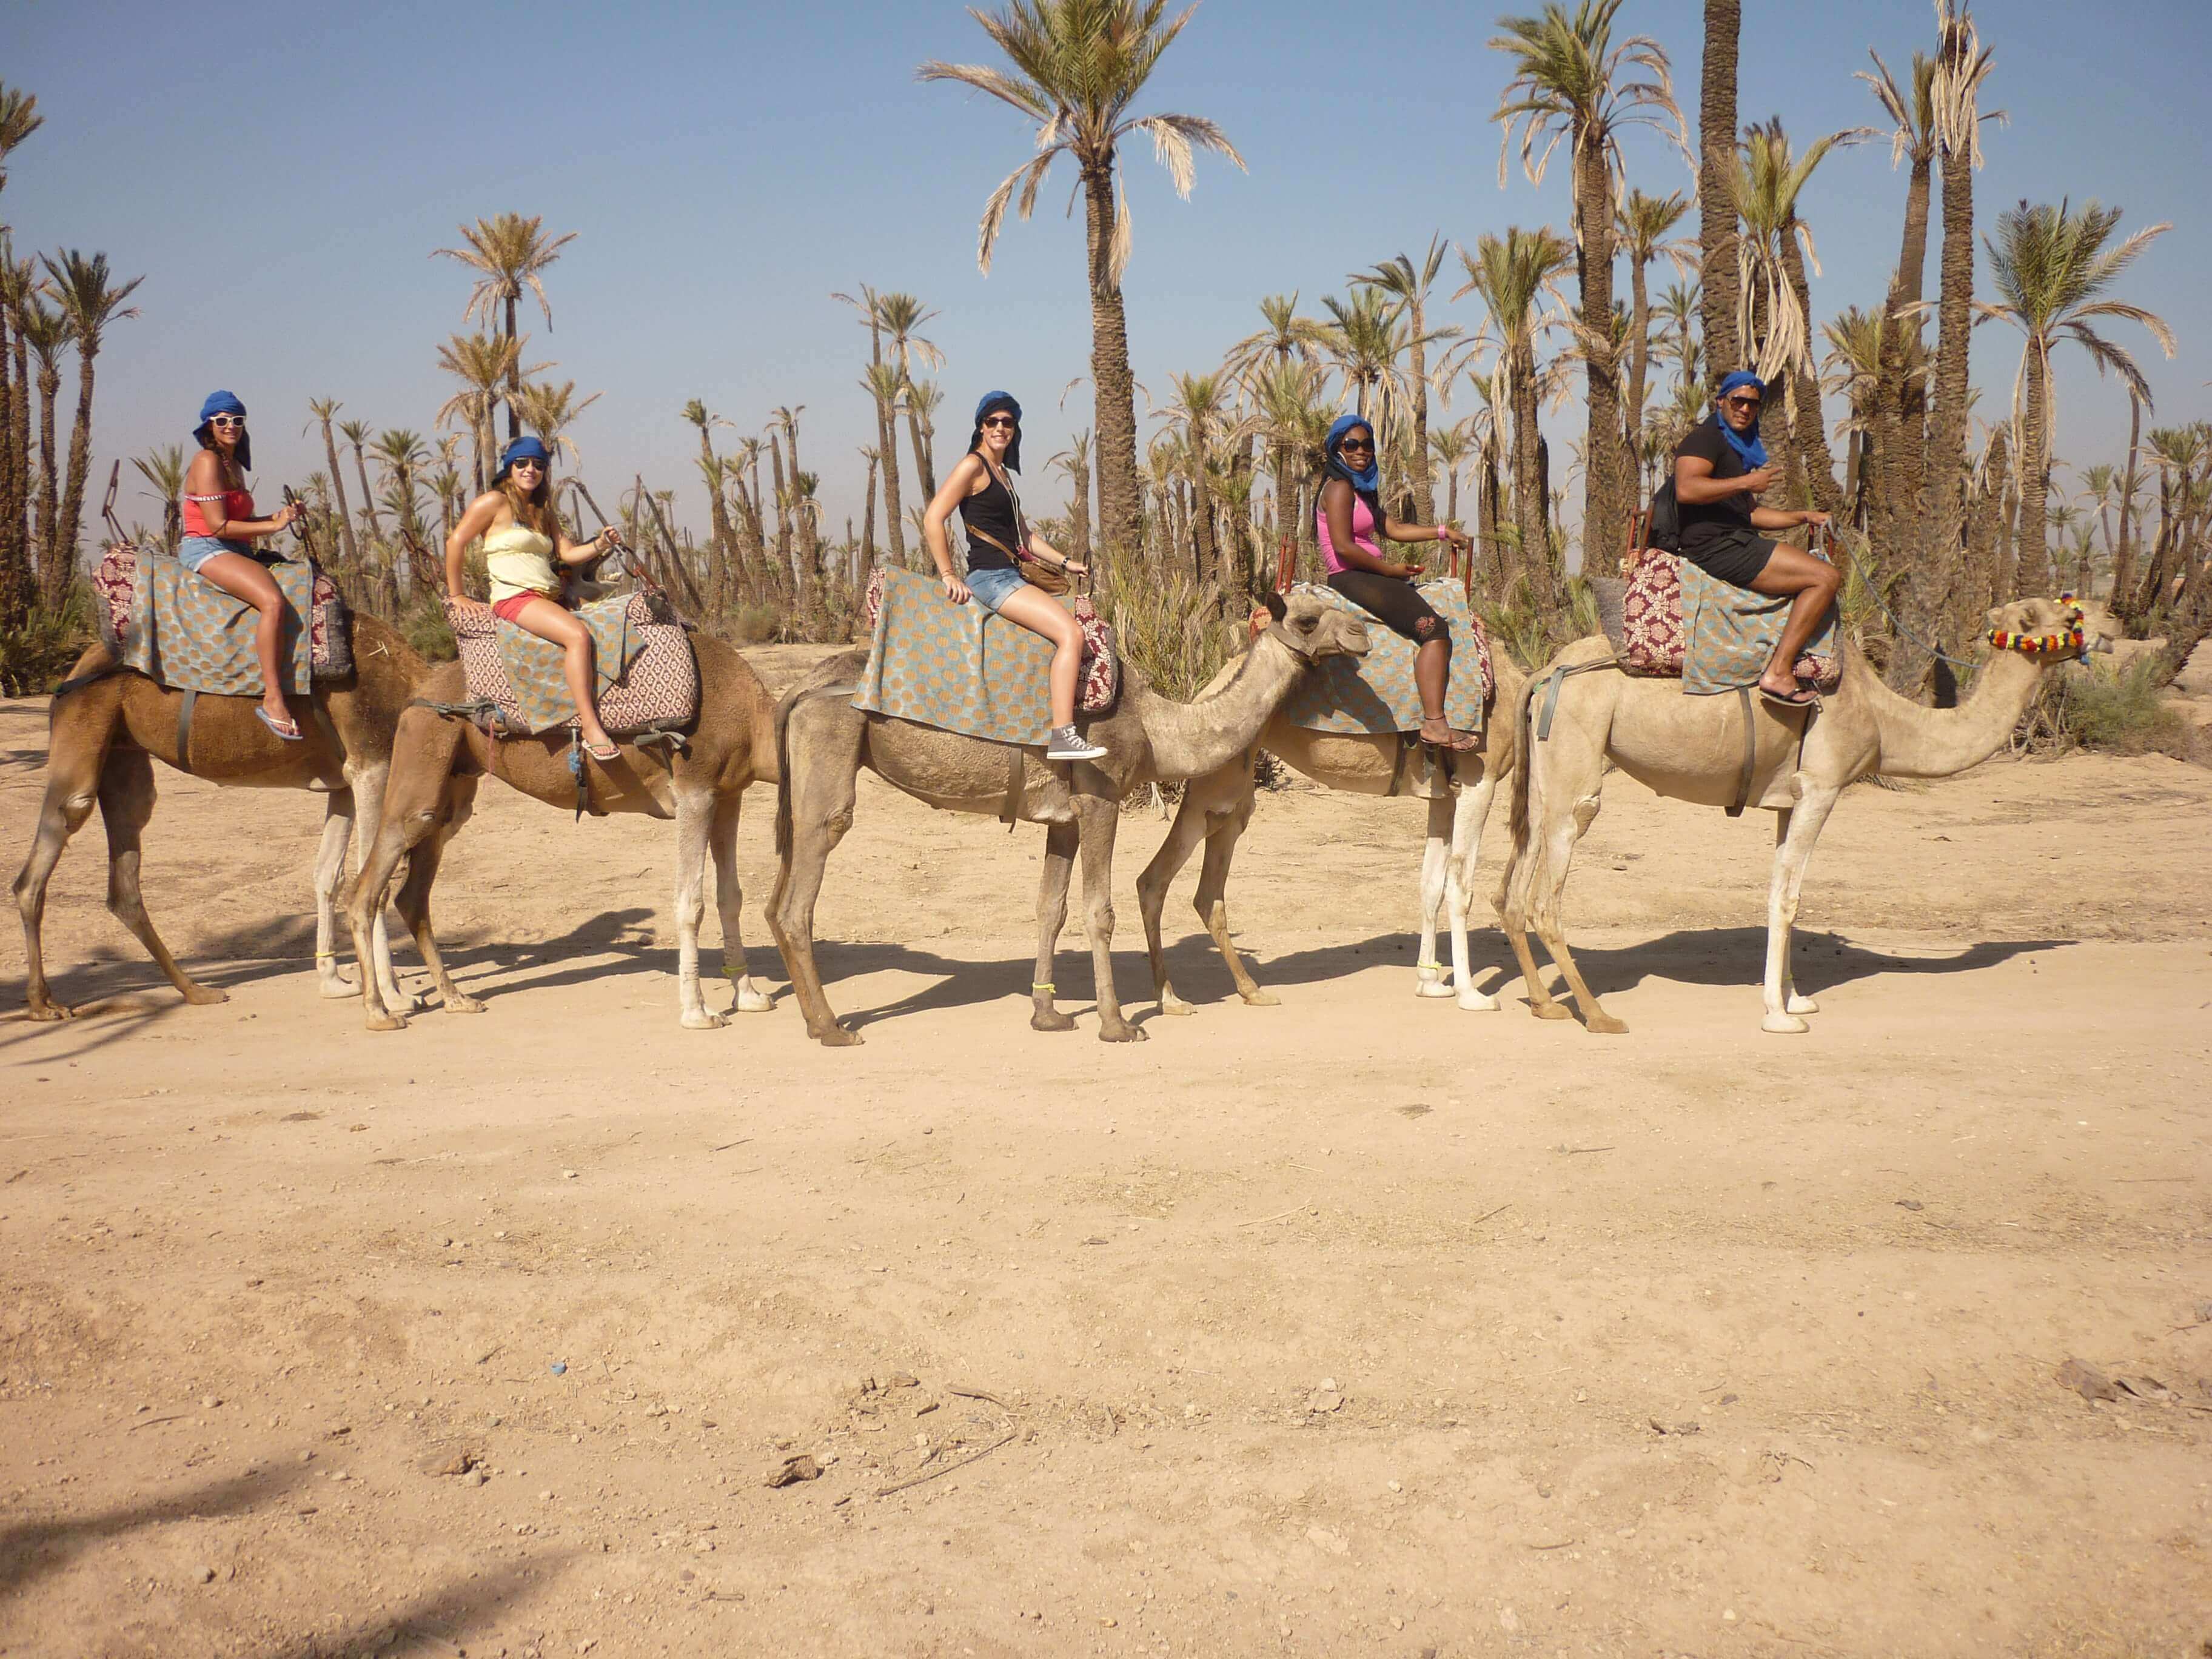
{"x": 510, "y": 610}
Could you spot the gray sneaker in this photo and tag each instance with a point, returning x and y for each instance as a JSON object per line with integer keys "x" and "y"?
{"x": 1067, "y": 745}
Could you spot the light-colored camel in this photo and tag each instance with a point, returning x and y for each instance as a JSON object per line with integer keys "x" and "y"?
{"x": 823, "y": 742}
{"x": 105, "y": 735}
{"x": 1692, "y": 749}
{"x": 1215, "y": 809}
{"x": 436, "y": 759}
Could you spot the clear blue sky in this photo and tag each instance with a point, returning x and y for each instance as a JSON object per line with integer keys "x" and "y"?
{"x": 281, "y": 173}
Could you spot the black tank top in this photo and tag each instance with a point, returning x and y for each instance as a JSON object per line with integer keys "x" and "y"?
{"x": 993, "y": 510}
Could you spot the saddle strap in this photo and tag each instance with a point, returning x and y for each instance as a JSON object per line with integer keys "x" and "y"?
{"x": 330, "y": 730}
{"x": 1016, "y": 766}
{"x": 1750, "y": 753}
{"x": 186, "y": 704}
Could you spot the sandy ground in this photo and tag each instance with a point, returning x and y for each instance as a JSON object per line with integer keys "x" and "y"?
{"x": 1356, "y": 1325}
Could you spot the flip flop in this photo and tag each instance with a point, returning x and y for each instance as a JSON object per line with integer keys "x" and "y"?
{"x": 1805, "y": 697}
{"x": 613, "y": 753}
{"x": 1458, "y": 742}
{"x": 292, "y": 736}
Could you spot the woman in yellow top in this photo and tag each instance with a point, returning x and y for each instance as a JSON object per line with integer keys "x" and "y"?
{"x": 522, "y": 536}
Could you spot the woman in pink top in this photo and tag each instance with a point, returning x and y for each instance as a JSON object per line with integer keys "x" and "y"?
{"x": 1348, "y": 517}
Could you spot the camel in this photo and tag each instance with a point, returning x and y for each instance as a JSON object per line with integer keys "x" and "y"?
{"x": 1215, "y": 809}
{"x": 437, "y": 758}
{"x": 105, "y": 733}
{"x": 1692, "y": 748}
{"x": 823, "y": 742}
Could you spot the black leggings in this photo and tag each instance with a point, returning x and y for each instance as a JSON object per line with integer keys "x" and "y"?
{"x": 1395, "y": 603}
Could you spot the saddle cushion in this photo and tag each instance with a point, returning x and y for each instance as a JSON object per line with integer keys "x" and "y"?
{"x": 960, "y": 668}
{"x": 115, "y": 586}
{"x": 1676, "y": 621}
{"x": 646, "y": 675}
{"x": 1376, "y": 693}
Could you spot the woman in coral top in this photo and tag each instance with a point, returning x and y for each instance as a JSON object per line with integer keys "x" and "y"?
{"x": 522, "y": 537}
{"x": 220, "y": 531}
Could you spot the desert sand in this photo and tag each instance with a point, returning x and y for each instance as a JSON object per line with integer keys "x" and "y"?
{"x": 1359, "y": 1324}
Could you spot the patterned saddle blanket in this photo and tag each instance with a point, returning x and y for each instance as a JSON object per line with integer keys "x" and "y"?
{"x": 1376, "y": 693}
{"x": 960, "y": 668}
{"x": 646, "y": 673}
{"x": 1670, "y": 620}
{"x": 182, "y": 631}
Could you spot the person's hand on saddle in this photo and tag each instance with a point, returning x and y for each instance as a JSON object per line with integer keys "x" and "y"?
{"x": 467, "y": 606}
{"x": 1760, "y": 479}
{"x": 1074, "y": 567}
{"x": 955, "y": 589}
{"x": 1812, "y": 516}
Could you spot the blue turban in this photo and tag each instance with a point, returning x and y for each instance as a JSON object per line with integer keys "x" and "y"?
{"x": 225, "y": 402}
{"x": 995, "y": 400}
{"x": 524, "y": 448}
{"x": 1366, "y": 483}
{"x": 1748, "y": 448}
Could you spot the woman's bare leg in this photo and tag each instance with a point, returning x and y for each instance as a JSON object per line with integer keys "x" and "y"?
{"x": 1814, "y": 581}
{"x": 565, "y": 629}
{"x": 246, "y": 579}
{"x": 1038, "y": 611}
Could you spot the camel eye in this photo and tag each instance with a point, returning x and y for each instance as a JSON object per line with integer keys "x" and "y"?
{"x": 1307, "y": 624}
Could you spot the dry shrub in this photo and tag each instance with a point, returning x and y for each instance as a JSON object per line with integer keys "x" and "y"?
{"x": 1168, "y": 625}
{"x": 34, "y": 656}
{"x": 2121, "y": 713}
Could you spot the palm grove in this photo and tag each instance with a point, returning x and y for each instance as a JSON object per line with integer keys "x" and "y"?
{"x": 1652, "y": 289}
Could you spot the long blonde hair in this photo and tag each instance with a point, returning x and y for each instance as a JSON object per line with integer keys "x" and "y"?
{"x": 533, "y": 510}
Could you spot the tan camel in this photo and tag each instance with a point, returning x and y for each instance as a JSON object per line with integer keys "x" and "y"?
{"x": 104, "y": 736}
{"x": 823, "y": 742}
{"x": 436, "y": 759}
{"x": 1692, "y": 749}
{"x": 1215, "y": 809}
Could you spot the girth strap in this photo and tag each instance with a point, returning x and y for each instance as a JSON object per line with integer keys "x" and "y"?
{"x": 1407, "y": 742}
{"x": 186, "y": 704}
{"x": 1750, "y": 753}
{"x": 330, "y": 730}
{"x": 1016, "y": 767}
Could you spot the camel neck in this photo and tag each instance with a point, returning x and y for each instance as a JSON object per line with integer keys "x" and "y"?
{"x": 1938, "y": 743}
{"x": 1189, "y": 739}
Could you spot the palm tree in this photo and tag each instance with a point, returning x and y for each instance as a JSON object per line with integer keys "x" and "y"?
{"x": 1570, "y": 82}
{"x": 802, "y": 507}
{"x": 1853, "y": 370}
{"x": 164, "y": 469}
{"x": 401, "y": 457}
{"x": 1078, "y": 66}
{"x": 710, "y": 469}
{"x": 901, "y": 314}
{"x": 1717, "y": 230}
{"x": 1644, "y": 223}
{"x": 48, "y": 334}
{"x": 1366, "y": 337}
{"x": 1449, "y": 448}
{"x": 80, "y": 286}
{"x": 1200, "y": 405}
{"x": 874, "y": 459}
{"x": 2131, "y": 484}
{"x": 508, "y": 253}
{"x": 322, "y": 409}
{"x": 1408, "y": 284}
{"x": 1677, "y": 312}
{"x": 1512, "y": 275}
{"x": 1899, "y": 431}
{"x": 1075, "y": 462}
{"x": 1286, "y": 335}
{"x": 1287, "y": 395}
{"x": 548, "y": 410}
{"x": 356, "y": 433}
{"x": 2050, "y": 267}
{"x": 482, "y": 363}
{"x": 885, "y": 383}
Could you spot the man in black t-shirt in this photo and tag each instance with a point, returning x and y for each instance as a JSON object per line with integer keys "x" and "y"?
{"x": 1720, "y": 471}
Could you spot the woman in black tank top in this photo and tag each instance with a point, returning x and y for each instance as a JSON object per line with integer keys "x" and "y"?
{"x": 981, "y": 487}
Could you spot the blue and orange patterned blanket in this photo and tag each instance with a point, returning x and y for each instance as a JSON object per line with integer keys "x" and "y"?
{"x": 1376, "y": 692}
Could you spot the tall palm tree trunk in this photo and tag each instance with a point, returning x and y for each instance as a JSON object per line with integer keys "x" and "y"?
{"x": 80, "y": 463}
{"x": 1121, "y": 520}
{"x": 2030, "y": 536}
{"x": 2123, "y": 551}
{"x": 867, "y": 528}
{"x": 514, "y": 379}
{"x": 1720, "y": 282}
{"x": 1421, "y": 471}
{"x": 1807, "y": 428}
{"x": 786, "y": 577}
{"x": 925, "y": 464}
{"x": 50, "y": 388}
{"x": 887, "y": 447}
{"x": 338, "y": 494}
{"x": 19, "y": 416}
{"x": 1486, "y": 519}
{"x": 1985, "y": 578}
{"x": 1605, "y": 485}
{"x": 1895, "y": 507}
{"x": 1639, "y": 363}
{"x": 1529, "y": 504}
{"x": 15, "y": 562}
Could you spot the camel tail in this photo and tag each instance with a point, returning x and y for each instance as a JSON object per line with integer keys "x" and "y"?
{"x": 783, "y": 708}
{"x": 1524, "y": 748}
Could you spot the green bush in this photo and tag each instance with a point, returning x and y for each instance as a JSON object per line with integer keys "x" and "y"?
{"x": 2122, "y": 713}
{"x": 421, "y": 622}
{"x": 1167, "y": 625}
{"x": 34, "y": 656}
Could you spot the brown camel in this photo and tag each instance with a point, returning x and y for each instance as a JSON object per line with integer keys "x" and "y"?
{"x": 823, "y": 742}
{"x": 105, "y": 734}
{"x": 436, "y": 759}
{"x": 1215, "y": 809}
{"x": 1692, "y": 749}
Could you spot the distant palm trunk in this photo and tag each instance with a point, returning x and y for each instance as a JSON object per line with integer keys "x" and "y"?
{"x": 1717, "y": 232}
{"x": 1808, "y": 427}
{"x": 1946, "y": 606}
{"x": 867, "y": 529}
{"x": 1530, "y": 502}
{"x": 50, "y": 386}
{"x": 337, "y": 494}
{"x": 1605, "y": 482}
{"x": 1639, "y": 362}
{"x": 785, "y": 575}
{"x": 1900, "y": 407}
{"x": 2123, "y": 551}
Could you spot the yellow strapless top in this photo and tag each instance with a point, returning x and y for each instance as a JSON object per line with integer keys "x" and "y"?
{"x": 519, "y": 561}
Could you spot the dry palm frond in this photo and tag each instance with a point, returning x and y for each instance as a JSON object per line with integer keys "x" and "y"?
{"x": 508, "y": 253}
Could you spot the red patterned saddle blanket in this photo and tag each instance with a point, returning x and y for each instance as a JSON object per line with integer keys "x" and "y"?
{"x": 646, "y": 673}
{"x": 329, "y": 634}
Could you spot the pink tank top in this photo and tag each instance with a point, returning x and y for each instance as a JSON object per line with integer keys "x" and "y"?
{"x": 1363, "y": 535}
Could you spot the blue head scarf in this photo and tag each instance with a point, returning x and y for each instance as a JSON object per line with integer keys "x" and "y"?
{"x": 524, "y": 448}
{"x": 225, "y": 402}
{"x": 996, "y": 400}
{"x": 1366, "y": 483}
{"x": 1748, "y": 448}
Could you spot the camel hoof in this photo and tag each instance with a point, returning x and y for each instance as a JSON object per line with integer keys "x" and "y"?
{"x": 1479, "y": 1002}
{"x": 457, "y": 1004}
{"x": 698, "y": 1019}
{"x": 386, "y": 1022}
{"x": 1606, "y": 1025}
{"x": 1549, "y": 1010}
{"x": 1256, "y": 998}
{"x": 1051, "y": 1019}
{"x": 1124, "y": 1033}
{"x": 752, "y": 1001}
{"x": 1783, "y": 1024}
{"x": 1177, "y": 1005}
{"x": 838, "y": 1037}
{"x": 1434, "y": 988}
{"x": 204, "y": 996}
{"x": 337, "y": 989}
{"x": 48, "y": 1011}
{"x": 1798, "y": 1004}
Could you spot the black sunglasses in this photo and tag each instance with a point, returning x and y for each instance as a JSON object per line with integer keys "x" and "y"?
{"x": 999, "y": 420}
{"x": 1359, "y": 443}
{"x": 1742, "y": 403}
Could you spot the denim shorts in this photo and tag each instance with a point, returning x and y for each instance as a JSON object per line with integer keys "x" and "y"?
{"x": 193, "y": 551}
{"x": 993, "y": 588}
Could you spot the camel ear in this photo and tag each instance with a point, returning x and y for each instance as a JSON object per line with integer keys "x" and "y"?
{"x": 1276, "y": 608}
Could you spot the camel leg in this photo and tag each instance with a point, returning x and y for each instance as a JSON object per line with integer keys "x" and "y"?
{"x": 1211, "y": 903}
{"x": 1185, "y": 833}
{"x": 821, "y": 748}
{"x": 410, "y": 807}
{"x": 1429, "y": 979}
{"x": 730, "y": 902}
{"x": 338, "y": 818}
{"x": 126, "y": 803}
{"x": 1096, "y": 820}
{"x": 413, "y": 899}
{"x": 695, "y": 812}
{"x": 368, "y": 812}
{"x": 1468, "y": 815}
{"x": 1060, "y": 844}
{"x": 1564, "y": 798}
{"x": 73, "y": 773}
{"x": 1795, "y": 832}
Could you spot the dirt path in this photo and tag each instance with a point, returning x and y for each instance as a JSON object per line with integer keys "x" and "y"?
{"x": 1356, "y": 1325}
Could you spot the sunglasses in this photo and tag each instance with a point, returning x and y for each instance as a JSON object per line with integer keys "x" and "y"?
{"x": 1006, "y": 420}
{"x": 1741, "y": 403}
{"x": 238, "y": 421}
{"x": 1363, "y": 446}
{"x": 534, "y": 466}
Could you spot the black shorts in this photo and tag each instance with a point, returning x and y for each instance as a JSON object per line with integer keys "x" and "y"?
{"x": 1393, "y": 603}
{"x": 1736, "y": 556}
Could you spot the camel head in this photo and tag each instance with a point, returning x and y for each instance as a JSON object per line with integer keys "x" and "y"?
{"x": 1313, "y": 629}
{"x": 2044, "y": 628}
